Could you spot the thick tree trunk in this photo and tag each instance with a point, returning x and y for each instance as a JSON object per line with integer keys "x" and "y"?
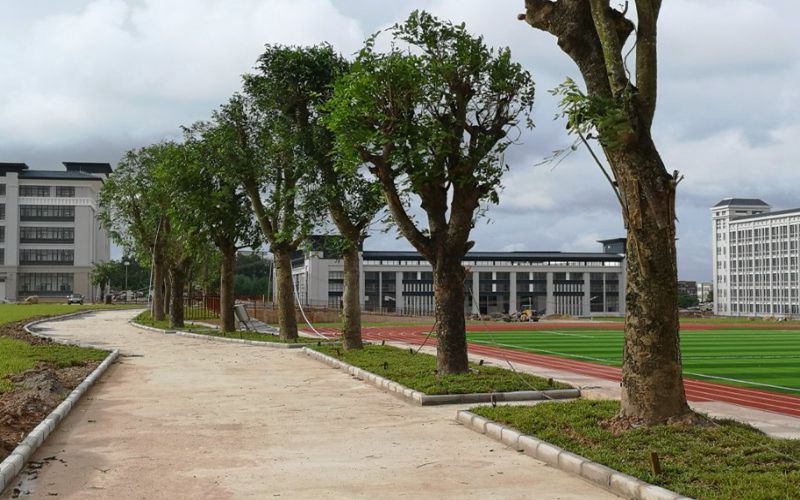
{"x": 287, "y": 321}
{"x": 226, "y": 295}
{"x": 177, "y": 282}
{"x": 652, "y": 381}
{"x": 351, "y": 309}
{"x": 448, "y": 291}
{"x": 157, "y": 305}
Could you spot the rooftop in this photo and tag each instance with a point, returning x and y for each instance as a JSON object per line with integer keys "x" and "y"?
{"x": 748, "y": 202}
{"x": 767, "y": 214}
{"x": 74, "y": 171}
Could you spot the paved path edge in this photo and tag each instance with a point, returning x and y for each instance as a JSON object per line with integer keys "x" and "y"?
{"x": 607, "y": 478}
{"x": 213, "y": 338}
{"x": 422, "y": 399}
{"x": 15, "y": 462}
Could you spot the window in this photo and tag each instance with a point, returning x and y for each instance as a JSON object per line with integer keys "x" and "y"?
{"x": 46, "y": 256}
{"x": 65, "y": 191}
{"x": 2, "y": 211}
{"x": 41, "y": 191}
{"x": 2, "y": 233}
{"x": 46, "y": 212}
{"x": 46, "y": 234}
{"x": 45, "y": 283}
{"x": 2, "y": 189}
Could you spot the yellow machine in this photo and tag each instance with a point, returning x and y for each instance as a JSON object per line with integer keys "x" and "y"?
{"x": 528, "y": 315}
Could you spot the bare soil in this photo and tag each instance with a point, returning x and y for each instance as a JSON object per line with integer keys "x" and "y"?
{"x": 36, "y": 392}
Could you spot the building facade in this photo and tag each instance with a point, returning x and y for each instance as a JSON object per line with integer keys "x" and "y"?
{"x": 756, "y": 259}
{"x": 578, "y": 284}
{"x": 49, "y": 232}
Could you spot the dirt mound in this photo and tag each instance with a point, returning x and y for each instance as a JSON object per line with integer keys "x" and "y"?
{"x": 15, "y": 331}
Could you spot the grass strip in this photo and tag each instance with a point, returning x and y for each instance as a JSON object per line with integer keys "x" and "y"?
{"x": 729, "y": 460}
{"x": 145, "y": 319}
{"x": 10, "y": 313}
{"x": 16, "y": 356}
{"x": 417, "y": 371}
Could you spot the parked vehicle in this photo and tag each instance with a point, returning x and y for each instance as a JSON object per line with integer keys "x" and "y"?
{"x": 75, "y": 298}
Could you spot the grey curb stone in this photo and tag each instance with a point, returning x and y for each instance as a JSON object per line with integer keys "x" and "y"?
{"x": 212, "y": 338}
{"x": 439, "y": 399}
{"x": 605, "y": 477}
{"x": 14, "y": 463}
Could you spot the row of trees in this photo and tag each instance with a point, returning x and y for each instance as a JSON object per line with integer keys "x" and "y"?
{"x": 420, "y": 129}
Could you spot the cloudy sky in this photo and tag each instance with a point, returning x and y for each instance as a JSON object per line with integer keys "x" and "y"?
{"x": 88, "y": 79}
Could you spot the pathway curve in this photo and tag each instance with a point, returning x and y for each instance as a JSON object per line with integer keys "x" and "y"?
{"x": 185, "y": 418}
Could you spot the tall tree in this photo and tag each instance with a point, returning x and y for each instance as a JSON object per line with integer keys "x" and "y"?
{"x": 269, "y": 120}
{"x": 618, "y": 108}
{"x": 432, "y": 123}
{"x": 216, "y": 206}
{"x": 134, "y": 210}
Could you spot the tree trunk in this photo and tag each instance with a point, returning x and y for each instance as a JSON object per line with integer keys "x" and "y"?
{"x": 448, "y": 291}
{"x": 226, "y": 295}
{"x": 157, "y": 304}
{"x": 167, "y": 291}
{"x": 287, "y": 321}
{"x": 177, "y": 282}
{"x": 351, "y": 301}
{"x": 652, "y": 381}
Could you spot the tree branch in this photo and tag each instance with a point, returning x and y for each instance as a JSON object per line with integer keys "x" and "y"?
{"x": 610, "y": 43}
{"x": 646, "y": 57}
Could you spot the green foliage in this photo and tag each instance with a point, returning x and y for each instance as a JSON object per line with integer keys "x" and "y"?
{"x": 686, "y": 300}
{"x": 431, "y": 119}
{"x": 417, "y": 371}
{"x": 101, "y": 274}
{"x": 593, "y": 113}
{"x": 278, "y": 139}
{"x": 722, "y": 461}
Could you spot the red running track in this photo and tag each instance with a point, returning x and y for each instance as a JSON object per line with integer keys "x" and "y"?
{"x": 696, "y": 390}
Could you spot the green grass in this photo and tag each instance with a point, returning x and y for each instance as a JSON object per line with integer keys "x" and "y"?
{"x": 726, "y": 461}
{"x": 17, "y": 356}
{"x": 748, "y": 357}
{"x": 417, "y": 372}
{"x": 145, "y": 319}
{"x": 17, "y": 312}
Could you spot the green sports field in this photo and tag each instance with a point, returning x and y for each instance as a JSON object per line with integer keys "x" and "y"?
{"x": 759, "y": 358}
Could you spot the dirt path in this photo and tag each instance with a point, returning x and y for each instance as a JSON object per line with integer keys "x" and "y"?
{"x": 184, "y": 418}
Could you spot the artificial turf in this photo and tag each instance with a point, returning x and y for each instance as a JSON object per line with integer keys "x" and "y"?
{"x": 764, "y": 358}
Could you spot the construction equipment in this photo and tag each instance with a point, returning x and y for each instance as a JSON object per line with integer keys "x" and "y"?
{"x": 528, "y": 314}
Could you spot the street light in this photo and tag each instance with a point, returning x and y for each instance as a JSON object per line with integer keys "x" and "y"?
{"x": 126, "y": 263}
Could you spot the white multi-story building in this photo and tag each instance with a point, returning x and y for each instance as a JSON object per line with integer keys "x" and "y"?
{"x": 756, "y": 259}
{"x": 578, "y": 284}
{"x": 49, "y": 232}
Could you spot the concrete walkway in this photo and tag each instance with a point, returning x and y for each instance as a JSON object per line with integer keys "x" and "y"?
{"x": 184, "y": 418}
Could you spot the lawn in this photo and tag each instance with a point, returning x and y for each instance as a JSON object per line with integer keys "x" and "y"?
{"x": 17, "y": 355}
{"x": 417, "y": 371}
{"x": 722, "y": 461}
{"x": 17, "y": 312}
{"x": 145, "y": 319}
{"x": 749, "y": 357}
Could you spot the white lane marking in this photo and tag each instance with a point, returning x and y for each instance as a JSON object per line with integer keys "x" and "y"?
{"x": 748, "y": 382}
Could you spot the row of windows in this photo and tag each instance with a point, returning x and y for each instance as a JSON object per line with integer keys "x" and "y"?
{"x": 46, "y": 256}
{"x": 44, "y": 191}
{"x": 46, "y": 234}
{"x": 46, "y": 213}
{"x": 486, "y": 263}
{"x": 45, "y": 283}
